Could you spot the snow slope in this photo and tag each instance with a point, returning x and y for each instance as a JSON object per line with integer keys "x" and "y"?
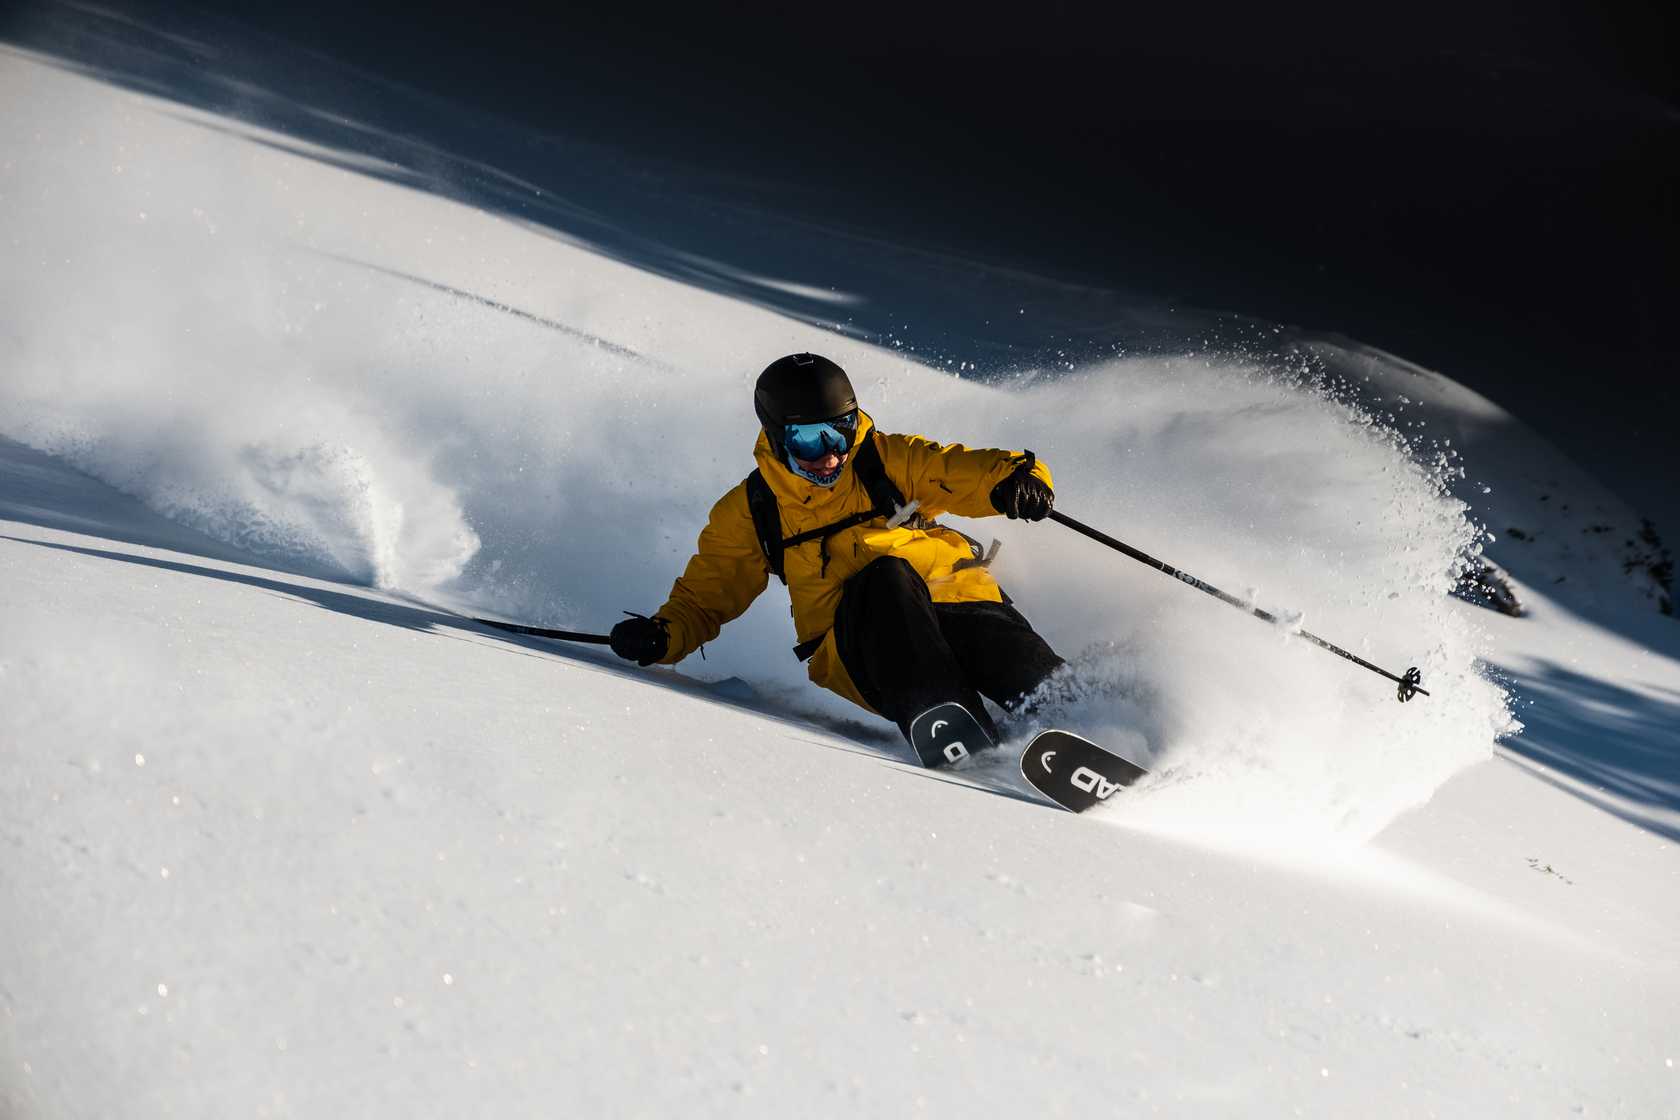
{"x": 256, "y": 865}
{"x": 284, "y": 838}
{"x": 557, "y": 465}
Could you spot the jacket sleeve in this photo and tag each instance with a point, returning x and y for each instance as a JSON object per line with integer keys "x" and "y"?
{"x": 951, "y": 478}
{"x": 723, "y": 577}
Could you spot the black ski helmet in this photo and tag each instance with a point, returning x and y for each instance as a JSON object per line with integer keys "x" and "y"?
{"x": 798, "y": 389}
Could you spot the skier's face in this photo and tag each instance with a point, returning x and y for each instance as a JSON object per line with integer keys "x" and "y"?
{"x": 824, "y": 470}
{"x": 824, "y": 465}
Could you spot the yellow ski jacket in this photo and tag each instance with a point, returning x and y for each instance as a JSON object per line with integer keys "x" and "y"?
{"x": 728, "y": 569}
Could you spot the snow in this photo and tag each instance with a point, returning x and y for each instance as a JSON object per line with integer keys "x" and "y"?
{"x": 339, "y": 420}
{"x": 285, "y": 835}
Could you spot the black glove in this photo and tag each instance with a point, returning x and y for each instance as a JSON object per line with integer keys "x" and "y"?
{"x": 1023, "y": 494}
{"x": 638, "y": 639}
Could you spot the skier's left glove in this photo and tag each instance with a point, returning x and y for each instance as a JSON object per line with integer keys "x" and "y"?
{"x": 1023, "y": 494}
{"x": 638, "y": 639}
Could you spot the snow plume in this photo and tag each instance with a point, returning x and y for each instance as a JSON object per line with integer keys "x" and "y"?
{"x": 333, "y": 371}
{"x": 292, "y": 483}
{"x": 1261, "y": 482}
{"x": 157, "y": 338}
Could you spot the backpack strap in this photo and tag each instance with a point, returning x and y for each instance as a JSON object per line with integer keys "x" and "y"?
{"x": 886, "y": 498}
{"x": 767, "y": 520}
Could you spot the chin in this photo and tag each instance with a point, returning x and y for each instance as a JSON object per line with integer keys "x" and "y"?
{"x": 818, "y": 478}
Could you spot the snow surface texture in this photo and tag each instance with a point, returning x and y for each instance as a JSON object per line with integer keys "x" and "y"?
{"x": 259, "y": 866}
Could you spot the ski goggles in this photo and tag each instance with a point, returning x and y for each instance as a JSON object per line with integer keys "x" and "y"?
{"x": 811, "y": 442}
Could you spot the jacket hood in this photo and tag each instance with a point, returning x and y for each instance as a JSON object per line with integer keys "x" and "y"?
{"x": 798, "y": 491}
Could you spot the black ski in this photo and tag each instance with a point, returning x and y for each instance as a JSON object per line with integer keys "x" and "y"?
{"x": 1075, "y": 773}
{"x": 946, "y": 734}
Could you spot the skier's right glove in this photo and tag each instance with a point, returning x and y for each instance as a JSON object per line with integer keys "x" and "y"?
{"x": 638, "y": 639}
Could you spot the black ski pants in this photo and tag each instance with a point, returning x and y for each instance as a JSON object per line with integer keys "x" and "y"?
{"x": 906, "y": 653}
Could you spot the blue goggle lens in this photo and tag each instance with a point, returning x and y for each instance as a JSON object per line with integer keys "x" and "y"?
{"x": 812, "y": 441}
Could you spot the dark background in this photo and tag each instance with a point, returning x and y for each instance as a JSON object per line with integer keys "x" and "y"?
{"x": 1487, "y": 190}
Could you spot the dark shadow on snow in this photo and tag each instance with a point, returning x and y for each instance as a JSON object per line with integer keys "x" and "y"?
{"x": 722, "y": 231}
{"x": 1612, "y": 746}
{"x": 43, "y": 490}
{"x": 344, "y": 602}
{"x": 496, "y": 305}
{"x": 422, "y": 619}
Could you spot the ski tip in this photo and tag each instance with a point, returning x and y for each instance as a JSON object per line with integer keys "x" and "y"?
{"x": 1074, "y": 772}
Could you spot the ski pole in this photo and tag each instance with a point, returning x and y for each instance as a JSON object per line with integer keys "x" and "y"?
{"x": 539, "y": 632}
{"x": 1409, "y": 683}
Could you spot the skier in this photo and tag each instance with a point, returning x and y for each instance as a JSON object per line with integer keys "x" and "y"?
{"x": 892, "y": 610}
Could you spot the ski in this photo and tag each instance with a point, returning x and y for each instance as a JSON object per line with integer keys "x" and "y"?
{"x": 947, "y": 734}
{"x": 1074, "y": 772}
